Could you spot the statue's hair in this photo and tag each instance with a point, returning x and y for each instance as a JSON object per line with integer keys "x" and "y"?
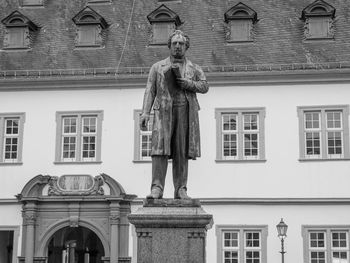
{"x": 179, "y": 32}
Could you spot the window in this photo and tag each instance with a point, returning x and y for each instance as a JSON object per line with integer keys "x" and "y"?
{"x": 9, "y": 243}
{"x": 143, "y": 139}
{"x": 11, "y": 140}
{"x": 161, "y": 32}
{"x": 319, "y": 19}
{"x": 88, "y": 35}
{"x": 241, "y": 244}
{"x": 90, "y": 28}
{"x": 240, "y": 133}
{"x": 324, "y": 132}
{"x": 79, "y": 136}
{"x": 324, "y": 244}
{"x": 240, "y": 20}
{"x": 19, "y": 31}
{"x": 164, "y": 21}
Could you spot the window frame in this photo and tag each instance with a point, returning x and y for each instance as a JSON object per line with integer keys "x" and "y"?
{"x": 324, "y": 131}
{"x": 310, "y": 24}
{"x": 137, "y": 137}
{"x": 242, "y": 230}
{"x": 16, "y": 231}
{"x": 162, "y": 40}
{"x": 240, "y": 112}
{"x": 328, "y": 248}
{"x": 233, "y": 27}
{"x": 21, "y": 117}
{"x": 79, "y": 134}
{"x": 95, "y": 29}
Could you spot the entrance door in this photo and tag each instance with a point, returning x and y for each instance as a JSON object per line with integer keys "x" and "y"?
{"x": 75, "y": 245}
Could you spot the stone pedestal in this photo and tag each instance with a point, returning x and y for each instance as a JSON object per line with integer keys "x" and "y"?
{"x": 171, "y": 231}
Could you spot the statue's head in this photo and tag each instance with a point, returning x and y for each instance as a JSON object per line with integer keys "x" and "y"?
{"x": 178, "y": 43}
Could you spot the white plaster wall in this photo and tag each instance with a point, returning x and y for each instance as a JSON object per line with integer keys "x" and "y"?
{"x": 295, "y": 216}
{"x": 282, "y": 175}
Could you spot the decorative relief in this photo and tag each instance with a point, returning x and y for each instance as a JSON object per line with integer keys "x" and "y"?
{"x": 14, "y": 23}
{"x": 29, "y": 218}
{"x": 331, "y": 31}
{"x": 74, "y": 221}
{"x": 196, "y": 234}
{"x": 144, "y": 234}
{"x": 76, "y": 185}
{"x": 114, "y": 219}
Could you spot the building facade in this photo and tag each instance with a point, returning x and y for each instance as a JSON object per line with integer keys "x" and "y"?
{"x": 274, "y": 126}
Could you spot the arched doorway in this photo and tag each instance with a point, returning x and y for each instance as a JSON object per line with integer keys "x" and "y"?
{"x": 75, "y": 245}
{"x": 75, "y": 217}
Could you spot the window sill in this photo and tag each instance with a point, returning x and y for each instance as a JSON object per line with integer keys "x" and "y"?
{"x": 158, "y": 45}
{"x": 88, "y": 47}
{"x": 238, "y": 42}
{"x": 8, "y": 164}
{"x": 241, "y": 161}
{"x": 33, "y": 6}
{"x": 170, "y": 1}
{"x": 16, "y": 49}
{"x": 319, "y": 39}
{"x": 78, "y": 162}
{"x": 323, "y": 159}
{"x": 103, "y": 2}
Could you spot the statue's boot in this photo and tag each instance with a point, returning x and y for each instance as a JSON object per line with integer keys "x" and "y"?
{"x": 182, "y": 194}
{"x": 156, "y": 193}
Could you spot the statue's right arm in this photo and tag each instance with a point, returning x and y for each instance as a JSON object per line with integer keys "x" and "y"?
{"x": 148, "y": 99}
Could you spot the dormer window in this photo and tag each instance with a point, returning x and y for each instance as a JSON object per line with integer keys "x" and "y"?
{"x": 240, "y": 20}
{"x": 319, "y": 20}
{"x": 19, "y": 31}
{"x": 90, "y": 28}
{"x": 164, "y": 21}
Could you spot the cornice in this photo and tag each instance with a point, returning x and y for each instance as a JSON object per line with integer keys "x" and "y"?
{"x": 266, "y": 201}
{"x": 132, "y": 80}
{"x": 222, "y": 201}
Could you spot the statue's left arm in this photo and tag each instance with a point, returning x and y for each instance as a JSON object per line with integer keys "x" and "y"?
{"x": 197, "y": 84}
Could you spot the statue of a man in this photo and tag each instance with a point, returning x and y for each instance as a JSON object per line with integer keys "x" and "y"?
{"x": 171, "y": 89}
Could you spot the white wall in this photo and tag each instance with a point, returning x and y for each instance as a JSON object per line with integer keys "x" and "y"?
{"x": 206, "y": 177}
{"x": 294, "y": 216}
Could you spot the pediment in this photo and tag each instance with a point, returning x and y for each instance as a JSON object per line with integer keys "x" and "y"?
{"x": 318, "y": 8}
{"x": 240, "y": 11}
{"x": 17, "y": 19}
{"x": 72, "y": 185}
{"x": 164, "y": 14}
{"x": 88, "y": 16}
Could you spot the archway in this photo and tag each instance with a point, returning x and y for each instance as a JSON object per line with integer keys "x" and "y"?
{"x": 75, "y": 245}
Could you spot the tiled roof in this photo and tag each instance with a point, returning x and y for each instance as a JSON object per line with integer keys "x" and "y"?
{"x": 278, "y": 37}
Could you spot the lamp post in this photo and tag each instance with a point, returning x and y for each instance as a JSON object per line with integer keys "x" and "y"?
{"x": 282, "y": 234}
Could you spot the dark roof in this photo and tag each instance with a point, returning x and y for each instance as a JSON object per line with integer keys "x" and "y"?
{"x": 278, "y": 35}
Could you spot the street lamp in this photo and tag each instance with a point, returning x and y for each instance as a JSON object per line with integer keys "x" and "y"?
{"x": 282, "y": 234}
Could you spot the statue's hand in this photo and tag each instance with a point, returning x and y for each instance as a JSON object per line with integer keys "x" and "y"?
{"x": 144, "y": 118}
{"x": 184, "y": 83}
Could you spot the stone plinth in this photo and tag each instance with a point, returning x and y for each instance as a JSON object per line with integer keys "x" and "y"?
{"x": 171, "y": 231}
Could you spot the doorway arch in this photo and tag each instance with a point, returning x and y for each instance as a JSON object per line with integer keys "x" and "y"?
{"x": 59, "y": 211}
{"x": 75, "y": 245}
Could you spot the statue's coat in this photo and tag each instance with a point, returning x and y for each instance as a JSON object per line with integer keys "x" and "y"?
{"x": 157, "y": 95}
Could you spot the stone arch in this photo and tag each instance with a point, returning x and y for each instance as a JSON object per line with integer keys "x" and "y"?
{"x": 42, "y": 250}
{"x": 48, "y": 207}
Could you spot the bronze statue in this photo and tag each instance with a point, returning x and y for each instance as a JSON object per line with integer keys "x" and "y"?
{"x": 171, "y": 89}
